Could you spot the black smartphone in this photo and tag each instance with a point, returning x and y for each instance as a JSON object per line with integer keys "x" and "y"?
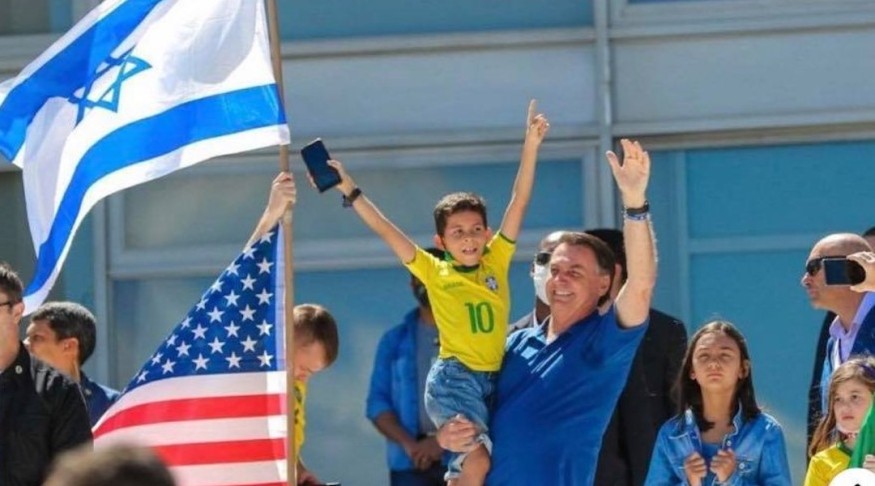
{"x": 316, "y": 159}
{"x": 841, "y": 271}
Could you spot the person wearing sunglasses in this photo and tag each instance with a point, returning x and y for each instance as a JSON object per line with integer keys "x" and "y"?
{"x": 539, "y": 272}
{"x": 814, "y": 392}
{"x": 42, "y": 412}
{"x": 852, "y": 332}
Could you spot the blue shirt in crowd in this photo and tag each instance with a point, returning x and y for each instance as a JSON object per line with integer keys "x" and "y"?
{"x": 395, "y": 384}
{"x": 554, "y": 401}
{"x": 98, "y": 398}
{"x": 760, "y": 452}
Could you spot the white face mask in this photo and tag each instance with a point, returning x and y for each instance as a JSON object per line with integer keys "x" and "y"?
{"x": 540, "y": 274}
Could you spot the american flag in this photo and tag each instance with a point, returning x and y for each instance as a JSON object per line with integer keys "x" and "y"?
{"x": 211, "y": 400}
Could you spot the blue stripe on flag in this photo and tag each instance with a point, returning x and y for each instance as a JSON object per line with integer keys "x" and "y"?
{"x": 67, "y": 71}
{"x": 191, "y": 122}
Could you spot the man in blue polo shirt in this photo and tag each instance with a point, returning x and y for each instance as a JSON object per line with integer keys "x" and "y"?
{"x": 559, "y": 383}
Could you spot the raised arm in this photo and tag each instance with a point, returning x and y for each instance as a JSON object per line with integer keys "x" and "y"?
{"x": 282, "y": 193}
{"x": 536, "y": 129}
{"x": 633, "y": 300}
{"x": 380, "y": 224}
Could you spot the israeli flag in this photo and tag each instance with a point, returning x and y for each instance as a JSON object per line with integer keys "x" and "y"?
{"x": 136, "y": 90}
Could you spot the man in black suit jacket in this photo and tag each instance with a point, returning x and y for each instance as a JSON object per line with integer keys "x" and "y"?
{"x": 647, "y": 400}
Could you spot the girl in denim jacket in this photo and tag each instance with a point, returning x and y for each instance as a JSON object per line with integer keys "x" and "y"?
{"x": 720, "y": 436}
{"x": 850, "y": 396}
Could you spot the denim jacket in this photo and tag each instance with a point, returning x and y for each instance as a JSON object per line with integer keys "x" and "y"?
{"x": 394, "y": 386}
{"x": 761, "y": 455}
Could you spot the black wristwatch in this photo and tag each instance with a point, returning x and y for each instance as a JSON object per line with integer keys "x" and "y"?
{"x": 348, "y": 200}
{"x": 637, "y": 213}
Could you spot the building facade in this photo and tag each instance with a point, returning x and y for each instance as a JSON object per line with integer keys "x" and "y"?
{"x": 758, "y": 114}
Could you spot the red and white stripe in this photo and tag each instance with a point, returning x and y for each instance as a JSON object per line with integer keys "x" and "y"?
{"x": 212, "y": 430}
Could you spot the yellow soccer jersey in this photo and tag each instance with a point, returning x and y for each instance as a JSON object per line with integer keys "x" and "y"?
{"x": 827, "y": 464}
{"x": 300, "y": 420}
{"x": 471, "y": 306}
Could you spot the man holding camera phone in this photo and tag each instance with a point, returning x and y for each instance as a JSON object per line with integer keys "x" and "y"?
{"x": 852, "y": 332}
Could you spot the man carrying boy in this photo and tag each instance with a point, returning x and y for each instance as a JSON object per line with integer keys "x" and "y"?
{"x": 468, "y": 291}
{"x": 559, "y": 382}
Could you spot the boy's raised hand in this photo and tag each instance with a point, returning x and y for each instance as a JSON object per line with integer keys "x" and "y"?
{"x": 632, "y": 176}
{"x": 537, "y": 125}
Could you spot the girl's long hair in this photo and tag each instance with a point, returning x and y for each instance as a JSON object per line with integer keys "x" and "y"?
{"x": 689, "y": 392}
{"x": 859, "y": 368}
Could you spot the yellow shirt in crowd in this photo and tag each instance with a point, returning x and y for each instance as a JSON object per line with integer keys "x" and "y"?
{"x": 827, "y": 464}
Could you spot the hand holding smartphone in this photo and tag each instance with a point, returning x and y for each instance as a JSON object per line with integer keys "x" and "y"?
{"x": 841, "y": 271}
{"x": 316, "y": 159}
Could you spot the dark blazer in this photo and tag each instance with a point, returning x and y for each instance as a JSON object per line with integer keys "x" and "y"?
{"x": 645, "y": 404}
{"x": 814, "y": 395}
{"x": 42, "y": 413}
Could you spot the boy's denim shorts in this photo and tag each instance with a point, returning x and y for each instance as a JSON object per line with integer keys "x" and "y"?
{"x": 454, "y": 389}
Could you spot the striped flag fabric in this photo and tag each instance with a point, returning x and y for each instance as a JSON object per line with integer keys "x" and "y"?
{"x": 134, "y": 91}
{"x": 211, "y": 399}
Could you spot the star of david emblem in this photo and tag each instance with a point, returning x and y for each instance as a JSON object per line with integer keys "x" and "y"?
{"x": 128, "y": 67}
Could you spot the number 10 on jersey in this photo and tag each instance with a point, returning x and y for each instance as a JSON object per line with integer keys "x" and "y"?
{"x": 481, "y": 317}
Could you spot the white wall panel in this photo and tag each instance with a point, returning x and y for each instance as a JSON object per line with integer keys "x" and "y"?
{"x": 439, "y": 92}
{"x": 711, "y": 82}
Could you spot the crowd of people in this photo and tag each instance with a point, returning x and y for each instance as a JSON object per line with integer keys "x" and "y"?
{"x": 592, "y": 387}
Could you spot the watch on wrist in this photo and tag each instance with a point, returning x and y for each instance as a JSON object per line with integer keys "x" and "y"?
{"x": 638, "y": 214}
{"x": 353, "y": 195}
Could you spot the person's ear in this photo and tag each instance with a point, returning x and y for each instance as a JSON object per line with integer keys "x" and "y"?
{"x": 71, "y": 345}
{"x": 439, "y": 242}
{"x": 605, "y": 284}
{"x": 488, "y": 233}
{"x": 18, "y": 311}
{"x": 745, "y": 370}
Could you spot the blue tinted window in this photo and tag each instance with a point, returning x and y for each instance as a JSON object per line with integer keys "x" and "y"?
{"x": 791, "y": 189}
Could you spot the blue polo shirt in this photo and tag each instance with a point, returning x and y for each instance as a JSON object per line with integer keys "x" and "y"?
{"x": 554, "y": 401}
{"x": 98, "y": 397}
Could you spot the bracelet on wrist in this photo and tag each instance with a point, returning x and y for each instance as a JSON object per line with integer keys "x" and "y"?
{"x": 349, "y": 199}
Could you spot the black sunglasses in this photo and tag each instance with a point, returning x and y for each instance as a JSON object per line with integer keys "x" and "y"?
{"x": 815, "y": 264}
{"x": 542, "y": 258}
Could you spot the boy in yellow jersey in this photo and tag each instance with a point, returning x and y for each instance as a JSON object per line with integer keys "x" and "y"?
{"x": 468, "y": 291}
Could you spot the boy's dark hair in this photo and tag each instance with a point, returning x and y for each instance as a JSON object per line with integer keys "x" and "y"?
{"x": 603, "y": 255}
{"x": 314, "y": 323}
{"x": 10, "y": 284}
{"x": 118, "y": 465}
{"x": 456, "y": 203}
{"x": 70, "y": 320}
{"x": 869, "y": 232}
{"x": 690, "y": 393}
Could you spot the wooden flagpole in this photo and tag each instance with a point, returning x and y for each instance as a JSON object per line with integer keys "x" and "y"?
{"x": 288, "y": 254}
